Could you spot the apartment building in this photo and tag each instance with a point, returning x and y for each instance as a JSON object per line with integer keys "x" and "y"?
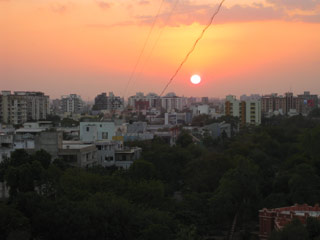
{"x": 71, "y": 104}
{"x": 301, "y": 104}
{"x": 20, "y": 107}
{"x": 111, "y": 102}
{"x": 171, "y": 102}
{"x": 144, "y": 102}
{"x": 310, "y": 102}
{"x": 248, "y": 112}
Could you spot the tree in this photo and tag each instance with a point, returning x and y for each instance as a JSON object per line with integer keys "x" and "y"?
{"x": 315, "y": 113}
{"x": 304, "y": 184}
{"x": 13, "y": 223}
{"x": 142, "y": 169}
{"x": 238, "y": 192}
{"x": 19, "y": 157}
{"x": 23, "y": 178}
{"x": 43, "y": 157}
{"x": 184, "y": 139}
{"x": 313, "y": 228}
{"x": 293, "y": 231}
{"x": 204, "y": 174}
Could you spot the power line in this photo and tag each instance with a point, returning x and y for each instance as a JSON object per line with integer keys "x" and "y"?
{"x": 159, "y": 36}
{"x": 193, "y": 47}
{"x": 143, "y": 48}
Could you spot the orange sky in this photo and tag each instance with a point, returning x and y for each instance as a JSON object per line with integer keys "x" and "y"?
{"x": 91, "y": 46}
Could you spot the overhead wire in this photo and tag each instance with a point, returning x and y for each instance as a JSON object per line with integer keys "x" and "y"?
{"x": 158, "y": 38}
{"x": 193, "y": 47}
{"x": 143, "y": 48}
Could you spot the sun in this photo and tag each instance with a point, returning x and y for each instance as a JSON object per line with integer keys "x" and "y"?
{"x": 195, "y": 79}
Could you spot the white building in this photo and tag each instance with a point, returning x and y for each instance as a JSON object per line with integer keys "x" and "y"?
{"x": 253, "y": 112}
{"x": 97, "y": 131}
{"x": 175, "y": 118}
{"x": 71, "y": 104}
{"x": 171, "y": 102}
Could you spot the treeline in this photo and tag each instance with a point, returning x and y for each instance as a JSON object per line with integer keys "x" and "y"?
{"x": 183, "y": 192}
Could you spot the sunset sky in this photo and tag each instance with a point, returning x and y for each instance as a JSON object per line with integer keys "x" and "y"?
{"x": 91, "y": 46}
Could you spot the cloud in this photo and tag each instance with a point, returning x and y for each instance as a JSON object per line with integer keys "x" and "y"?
{"x": 296, "y": 4}
{"x": 104, "y": 5}
{"x": 59, "y": 8}
{"x": 144, "y": 2}
{"x": 314, "y": 18}
{"x": 190, "y": 13}
{"x": 119, "y": 24}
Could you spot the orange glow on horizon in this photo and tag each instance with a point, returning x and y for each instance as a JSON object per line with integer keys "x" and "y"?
{"x": 80, "y": 44}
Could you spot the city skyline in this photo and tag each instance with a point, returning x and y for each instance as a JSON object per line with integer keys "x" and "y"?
{"x": 82, "y": 47}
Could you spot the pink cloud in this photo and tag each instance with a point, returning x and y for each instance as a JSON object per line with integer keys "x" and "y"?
{"x": 103, "y": 4}
{"x": 296, "y": 4}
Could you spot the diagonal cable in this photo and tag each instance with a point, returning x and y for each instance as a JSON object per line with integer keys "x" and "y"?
{"x": 158, "y": 38}
{"x": 193, "y": 47}
{"x": 143, "y": 48}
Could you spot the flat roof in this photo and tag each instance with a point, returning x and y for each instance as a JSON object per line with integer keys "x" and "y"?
{"x": 30, "y": 130}
{"x": 76, "y": 146}
{"x": 302, "y": 213}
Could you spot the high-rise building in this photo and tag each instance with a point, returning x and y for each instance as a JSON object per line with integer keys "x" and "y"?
{"x": 21, "y": 107}
{"x": 248, "y": 112}
{"x": 309, "y": 102}
{"x": 111, "y": 102}
{"x": 301, "y": 104}
{"x": 205, "y": 100}
{"x": 244, "y": 97}
{"x": 71, "y": 104}
{"x": 171, "y": 102}
{"x": 142, "y": 102}
{"x": 253, "y": 112}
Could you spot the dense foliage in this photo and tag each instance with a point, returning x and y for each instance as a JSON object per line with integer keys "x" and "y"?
{"x": 187, "y": 191}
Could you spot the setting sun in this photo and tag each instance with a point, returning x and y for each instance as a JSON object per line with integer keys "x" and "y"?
{"x": 195, "y": 79}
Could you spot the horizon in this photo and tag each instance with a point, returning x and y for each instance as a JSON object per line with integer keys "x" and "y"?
{"x": 88, "y": 100}
{"x": 62, "y": 47}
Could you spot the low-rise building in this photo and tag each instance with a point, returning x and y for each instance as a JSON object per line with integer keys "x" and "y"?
{"x": 78, "y": 154}
{"x": 96, "y": 131}
{"x": 174, "y": 118}
{"x": 216, "y": 130}
{"x": 277, "y": 218}
{"x": 106, "y": 153}
{"x": 6, "y": 146}
{"x": 125, "y": 157}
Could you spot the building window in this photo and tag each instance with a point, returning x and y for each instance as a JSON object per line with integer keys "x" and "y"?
{"x": 105, "y": 135}
{"x": 88, "y": 129}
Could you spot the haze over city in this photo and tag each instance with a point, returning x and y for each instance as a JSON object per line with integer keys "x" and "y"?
{"x": 91, "y": 46}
